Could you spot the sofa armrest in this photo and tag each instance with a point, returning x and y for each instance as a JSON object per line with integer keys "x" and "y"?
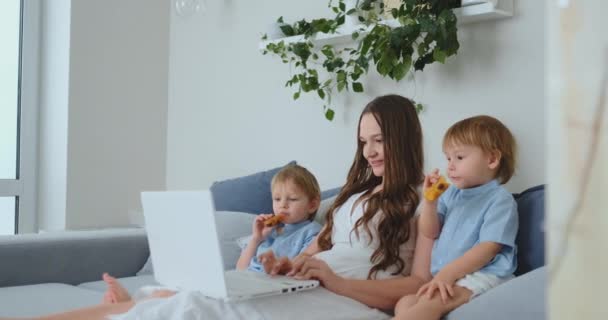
{"x": 71, "y": 257}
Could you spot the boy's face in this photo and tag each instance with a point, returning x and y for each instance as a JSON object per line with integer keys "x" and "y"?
{"x": 290, "y": 201}
{"x": 469, "y": 166}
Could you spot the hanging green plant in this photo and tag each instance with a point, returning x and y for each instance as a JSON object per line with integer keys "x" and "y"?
{"x": 397, "y": 40}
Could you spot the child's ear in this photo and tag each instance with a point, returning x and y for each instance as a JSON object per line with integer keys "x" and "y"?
{"x": 314, "y": 204}
{"x": 494, "y": 159}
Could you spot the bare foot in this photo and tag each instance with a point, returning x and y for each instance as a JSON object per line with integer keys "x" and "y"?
{"x": 115, "y": 292}
{"x": 162, "y": 294}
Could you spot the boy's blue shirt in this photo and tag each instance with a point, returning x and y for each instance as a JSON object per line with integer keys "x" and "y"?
{"x": 475, "y": 215}
{"x": 293, "y": 240}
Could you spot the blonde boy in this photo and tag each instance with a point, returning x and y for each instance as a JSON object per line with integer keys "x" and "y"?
{"x": 474, "y": 223}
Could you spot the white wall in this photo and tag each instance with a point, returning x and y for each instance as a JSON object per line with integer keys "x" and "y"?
{"x": 229, "y": 113}
{"x": 118, "y": 107}
{"x": 104, "y": 138}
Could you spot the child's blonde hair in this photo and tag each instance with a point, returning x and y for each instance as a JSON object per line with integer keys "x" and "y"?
{"x": 490, "y": 135}
{"x": 302, "y": 178}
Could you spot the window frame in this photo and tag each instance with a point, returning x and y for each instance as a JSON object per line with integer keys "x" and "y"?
{"x": 23, "y": 188}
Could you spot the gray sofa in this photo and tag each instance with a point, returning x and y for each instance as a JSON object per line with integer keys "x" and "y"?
{"x": 53, "y": 272}
{"x": 47, "y": 273}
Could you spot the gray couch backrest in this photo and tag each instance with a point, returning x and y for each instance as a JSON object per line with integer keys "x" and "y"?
{"x": 531, "y": 236}
{"x": 71, "y": 257}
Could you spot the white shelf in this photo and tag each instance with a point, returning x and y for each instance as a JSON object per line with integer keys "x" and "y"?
{"x": 471, "y": 11}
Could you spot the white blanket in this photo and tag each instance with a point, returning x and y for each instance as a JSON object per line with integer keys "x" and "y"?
{"x": 318, "y": 303}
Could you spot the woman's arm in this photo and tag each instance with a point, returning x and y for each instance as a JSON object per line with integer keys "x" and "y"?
{"x": 382, "y": 294}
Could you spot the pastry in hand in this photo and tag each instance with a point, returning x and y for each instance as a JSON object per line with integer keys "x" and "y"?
{"x": 436, "y": 189}
{"x": 274, "y": 220}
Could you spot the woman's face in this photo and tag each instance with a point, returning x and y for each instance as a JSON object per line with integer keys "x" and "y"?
{"x": 371, "y": 138}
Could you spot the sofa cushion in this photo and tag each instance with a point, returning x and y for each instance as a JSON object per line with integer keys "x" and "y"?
{"x": 522, "y": 298}
{"x": 249, "y": 193}
{"x": 329, "y": 193}
{"x": 323, "y": 208}
{"x": 42, "y": 299}
{"x": 531, "y": 236}
{"x": 71, "y": 257}
{"x": 132, "y": 284}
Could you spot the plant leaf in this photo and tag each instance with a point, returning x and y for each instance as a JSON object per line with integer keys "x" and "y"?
{"x": 357, "y": 87}
{"x": 321, "y": 94}
{"x": 287, "y": 30}
{"x": 400, "y": 71}
{"x": 439, "y": 55}
{"x": 329, "y": 114}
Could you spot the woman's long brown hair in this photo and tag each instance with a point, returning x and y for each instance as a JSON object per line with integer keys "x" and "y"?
{"x": 403, "y": 174}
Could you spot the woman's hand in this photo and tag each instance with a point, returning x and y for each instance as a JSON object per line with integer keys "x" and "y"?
{"x": 259, "y": 231}
{"x": 313, "y": 268}
{"x": 297, "y": 263}
{"x": 445, "y": 288}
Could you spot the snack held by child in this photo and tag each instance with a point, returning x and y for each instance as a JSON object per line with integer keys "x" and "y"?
{"x": 274, "y": 220}
{"x": 436, "y": 189}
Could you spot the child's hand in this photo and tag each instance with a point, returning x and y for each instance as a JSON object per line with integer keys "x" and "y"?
{"x": 445, "y": 288}
{"x": 429, "y": 180}
{"x": 268, "y": 260}
{"x": 272, "y": 265}
{"x": 259, "y": 230}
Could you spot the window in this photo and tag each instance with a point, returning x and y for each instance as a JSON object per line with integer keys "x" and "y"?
{"x": 18, "y": 101}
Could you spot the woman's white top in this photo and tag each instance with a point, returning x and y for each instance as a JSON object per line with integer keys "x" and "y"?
{"x": 350, "y": 255}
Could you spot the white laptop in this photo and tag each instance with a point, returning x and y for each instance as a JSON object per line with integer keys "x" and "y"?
{"x": 186, "y": 252}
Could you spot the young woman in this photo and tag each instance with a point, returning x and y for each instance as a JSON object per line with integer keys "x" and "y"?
{"x": 365, "y": 250}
